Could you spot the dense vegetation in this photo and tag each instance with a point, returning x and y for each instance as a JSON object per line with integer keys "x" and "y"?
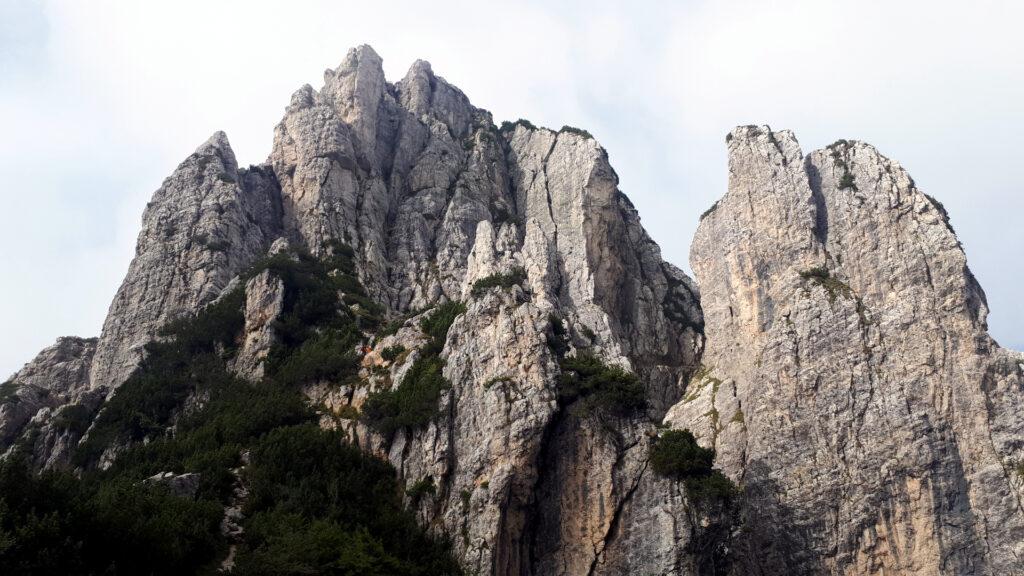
{"x": 414, "y": 402}
{"x": 676, "y": 455}
{"x": 182, "y": 412}
{"x": 590, "y": 385}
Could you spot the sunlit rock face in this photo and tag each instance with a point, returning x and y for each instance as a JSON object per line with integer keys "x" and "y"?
{"x": 835, "y": 356}
{"x": 849, "y": 382}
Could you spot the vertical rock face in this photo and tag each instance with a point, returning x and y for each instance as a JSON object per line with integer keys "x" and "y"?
{"x": 849, "y": 382}
{"x": 264, "y": 302}
{"x": 207, "y": 222}
{"x": 433, "y": 197}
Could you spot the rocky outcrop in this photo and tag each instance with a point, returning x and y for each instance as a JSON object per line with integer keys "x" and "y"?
{"x": 46, "y": 406}
{"x": 849, "y": 382}
{"x": 183, "y": 485}
{"x": 264, "y": 302}
{"x": 207, "y": 222}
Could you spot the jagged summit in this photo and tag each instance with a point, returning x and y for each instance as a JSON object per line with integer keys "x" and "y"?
{"x": 861, "y": 400}
{"x": 835, "y": 357}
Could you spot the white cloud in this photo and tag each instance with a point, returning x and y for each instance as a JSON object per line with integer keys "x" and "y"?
{"x": 103, "y": 98}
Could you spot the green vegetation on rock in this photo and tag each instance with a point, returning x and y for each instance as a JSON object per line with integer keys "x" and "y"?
{"x": 183, "y": 412}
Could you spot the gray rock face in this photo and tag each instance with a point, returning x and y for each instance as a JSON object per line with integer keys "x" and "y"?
{"x": 264, "y": 302}
{"x": 849, "y": 381}
{"x": 206, "y": 223}
{"x": 48, "y": 403}
{"x": 184, "y": 485}
{"x": 433, "y": 197}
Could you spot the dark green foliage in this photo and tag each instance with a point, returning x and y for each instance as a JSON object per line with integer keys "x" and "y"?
{"x": 390, "y": 353}
{"x": 8, "y": 392}
{"x": 846, "y": 181}
{"x": 557, "y": 336}
{"x": 507, "y": 126}
{"x": 74, "y": 418}
{"x": 710, "y": 489}
{"x": 577, "y": 131}
{"x": 709, "y": 210}
{"x": 421, "y": 488}
{"x": 437, "y": 323}
{"x": 329, "y": 356}
{"x": 676, "y": 455}
{"x": 320, "y": 506}
{"x": 413, "y": 404}
{"x": 835, "y": 287}
{"x": 591, "y": 385}
{"x": 55, "y": 524}
{"x": 500, "y": 280}
{"x": 187, "y": 360}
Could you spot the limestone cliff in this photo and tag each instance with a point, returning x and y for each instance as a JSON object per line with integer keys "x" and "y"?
{"x": 847, "y": 381}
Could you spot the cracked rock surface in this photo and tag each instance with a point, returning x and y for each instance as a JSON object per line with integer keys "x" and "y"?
{"x": 848, "y": 381}
{"x": 835, "y": 355}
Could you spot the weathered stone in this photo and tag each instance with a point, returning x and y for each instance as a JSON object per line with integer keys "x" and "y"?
{"x": 264, "y": 302}
{"x": 850, "y": 384}
{"x": 206, "y": 223}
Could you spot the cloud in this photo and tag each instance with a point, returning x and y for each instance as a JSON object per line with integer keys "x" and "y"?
{"x": 111, "y": 95}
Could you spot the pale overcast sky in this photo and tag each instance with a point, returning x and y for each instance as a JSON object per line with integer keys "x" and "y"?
{"x": 102, "y": 99}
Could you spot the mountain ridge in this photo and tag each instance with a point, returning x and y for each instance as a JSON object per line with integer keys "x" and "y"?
{"x": 532, "y": 459}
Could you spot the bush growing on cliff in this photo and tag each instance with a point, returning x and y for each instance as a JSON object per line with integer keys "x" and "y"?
{"x": 589, "y": 385}
{"x": 499, "y": 280}
{"x": 677, "y": 455}
{"x": 414, "y": 403}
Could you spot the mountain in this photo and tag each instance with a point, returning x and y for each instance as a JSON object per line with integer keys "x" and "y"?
{"x": 415, "y": 342}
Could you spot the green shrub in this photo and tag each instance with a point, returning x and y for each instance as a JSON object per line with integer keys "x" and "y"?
{"x": 835, "y": 287}
{"x": 8, "y": 392}
{"x": 577, "y": 131}
{"x": 390, "y": 353}
{"x": 436, "y": 324}
{"x": 557, "y": 337}
{"x": 676, "y": 454}
{"x": 329, "y": 357}
{"x": 74, "y": 418}
{"x": 509, "y": 126}
{"x": 421, "y": 488}
{"x": 847, "y": 182}
{"x": 499, "y": 280}
{"x": 316, "y": 504}
{"x": 342, "y": 515}
{"x": 589, "y": 384}
{"x": 413, "y": 404}
{"x": 708, "y": 212}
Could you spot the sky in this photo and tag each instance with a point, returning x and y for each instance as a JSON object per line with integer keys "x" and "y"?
{"x": 101, "y": 100}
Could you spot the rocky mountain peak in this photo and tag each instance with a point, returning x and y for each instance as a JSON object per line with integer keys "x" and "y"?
{"x": 399, "y": 249}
